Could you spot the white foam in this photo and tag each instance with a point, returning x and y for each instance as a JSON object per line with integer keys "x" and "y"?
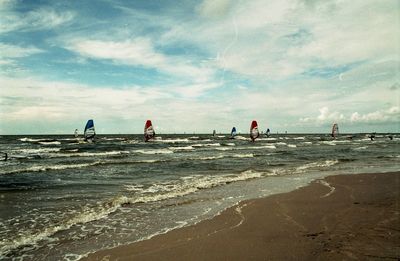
{"x": 90, "y": 154}
{"x": 224, "y": 148}
{"x": 49, "y": 142}
{"x": 41, "y": 150}
{"x": 317, "y": 164}
{"x": 53, "y": 167}
{"x": 207, "y": 145}
{"x": 249, "y": 155}
{"x": 181, "y": 148}
{"x": 172, "y": 140}
{"x": 360, "y": 148}
{"x": 157, "y": 151}
{"x": 291, "y": 146}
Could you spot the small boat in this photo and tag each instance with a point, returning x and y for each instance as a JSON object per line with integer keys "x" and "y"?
{"x": 254, "y": 133}
{"x": 89, "y": 132}
{"x": 233, "y": 133}
{"x": 149, "y": 132}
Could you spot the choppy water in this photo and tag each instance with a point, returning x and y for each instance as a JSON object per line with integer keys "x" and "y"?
{"x": 60, "y": 199}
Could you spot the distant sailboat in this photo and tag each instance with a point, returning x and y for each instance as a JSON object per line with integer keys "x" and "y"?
{"x": 76, "y": 133}
{"x": 89, "y": 133}
{"x": 254, "y": 131}
{"x": 233, "y": 133}
{"x": 335, "y": 130}
{"x": 149, "y": 132}
{"x": 214, "y": 133}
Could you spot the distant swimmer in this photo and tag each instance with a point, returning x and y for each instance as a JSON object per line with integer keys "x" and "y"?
{"x": 390, "y": 137}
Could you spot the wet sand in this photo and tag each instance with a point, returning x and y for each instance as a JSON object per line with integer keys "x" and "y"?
{"x": 338, "y": 218}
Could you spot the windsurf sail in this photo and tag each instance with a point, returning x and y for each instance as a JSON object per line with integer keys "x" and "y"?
{"x": 89, "y": 131}
{"x": 335, "y": 130}
{"x": 254, "y": 130}
{"x": 149, "y": 132}
{"x": 76, "y": 133}
{"x": 268, "y": 132}
{"x": 233, "y": 132}
{"x": 214, "y": 132}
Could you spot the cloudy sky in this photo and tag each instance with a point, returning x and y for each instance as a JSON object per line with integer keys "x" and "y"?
{"x": 195, "y": 66}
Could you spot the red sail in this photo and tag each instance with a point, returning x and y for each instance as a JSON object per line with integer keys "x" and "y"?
{"x": 254, "y": 130}
{"x": 148, "y": 131}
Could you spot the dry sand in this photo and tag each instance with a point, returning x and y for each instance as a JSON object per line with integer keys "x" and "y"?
{"x": 341, "y": 217}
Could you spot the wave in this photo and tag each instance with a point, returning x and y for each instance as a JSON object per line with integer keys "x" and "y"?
{"x": 52, "y": 167}
{"x": 224, "y": 148}
{"x": 154, "y": 193}
{"x": 76, "y": 153}
{"x": 156, "y": 151}
{"x": 264, "y": 147}
{"x": 291, "y": 146}
{"x": 172, "y": 140}
{"x": 40, "y": 150}
{"x": 181, "y": 148}
{"x": 319, "y": 164}
{"x": 250, "y": 155}
{"x": 49, "y": 142}
{"x": 360, "y": 148}
{"x": 207, "y": 145}
{"x": 241, "y": 138}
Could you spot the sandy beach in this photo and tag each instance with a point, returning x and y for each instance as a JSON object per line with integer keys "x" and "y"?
{"x": 340, "y": 217}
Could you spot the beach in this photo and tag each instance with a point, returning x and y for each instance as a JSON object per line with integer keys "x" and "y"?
{"x": 340, "y": 217}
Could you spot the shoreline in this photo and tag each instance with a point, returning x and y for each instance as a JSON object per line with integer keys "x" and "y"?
{"x": 338, "y": 217}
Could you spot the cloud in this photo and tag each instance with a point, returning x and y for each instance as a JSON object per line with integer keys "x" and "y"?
{"x": 140, "y": 52}
{"x": 14, "y": 51}
{"x": 214, "y": 8}
{"x": 38, "y": 19}
{"x": 390, "y": 115}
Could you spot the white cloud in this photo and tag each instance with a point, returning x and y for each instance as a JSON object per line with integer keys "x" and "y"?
{"x": 280, "y": 39}
{"x": 390, "y": 115}
{"x": 42, "y": 18}
{"x": 136, "y": 52}
{"x": 141, "y": 52}
{"x": 214, "y": 8}
{"x": 14, "y": 51}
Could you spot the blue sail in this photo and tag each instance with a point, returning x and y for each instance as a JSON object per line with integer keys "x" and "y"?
{"x": 89, "y": 130}
{"x": 233, "y": 132}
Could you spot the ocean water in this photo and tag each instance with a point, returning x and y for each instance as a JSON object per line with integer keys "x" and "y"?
{"x": 61, "y": 198}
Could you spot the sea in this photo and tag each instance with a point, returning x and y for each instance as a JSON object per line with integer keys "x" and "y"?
{"x": 62, "y": 198}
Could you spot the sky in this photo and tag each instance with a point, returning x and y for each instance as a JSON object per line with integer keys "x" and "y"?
{"x": 195, "y": 66}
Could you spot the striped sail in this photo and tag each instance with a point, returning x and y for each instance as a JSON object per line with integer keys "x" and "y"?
{"x": 89, "y": 132}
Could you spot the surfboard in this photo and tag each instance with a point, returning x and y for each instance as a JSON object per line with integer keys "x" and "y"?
{"x": 254, "y": 133}
{"x": 149, "y": 132}
{"x": 89, "y": 132}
